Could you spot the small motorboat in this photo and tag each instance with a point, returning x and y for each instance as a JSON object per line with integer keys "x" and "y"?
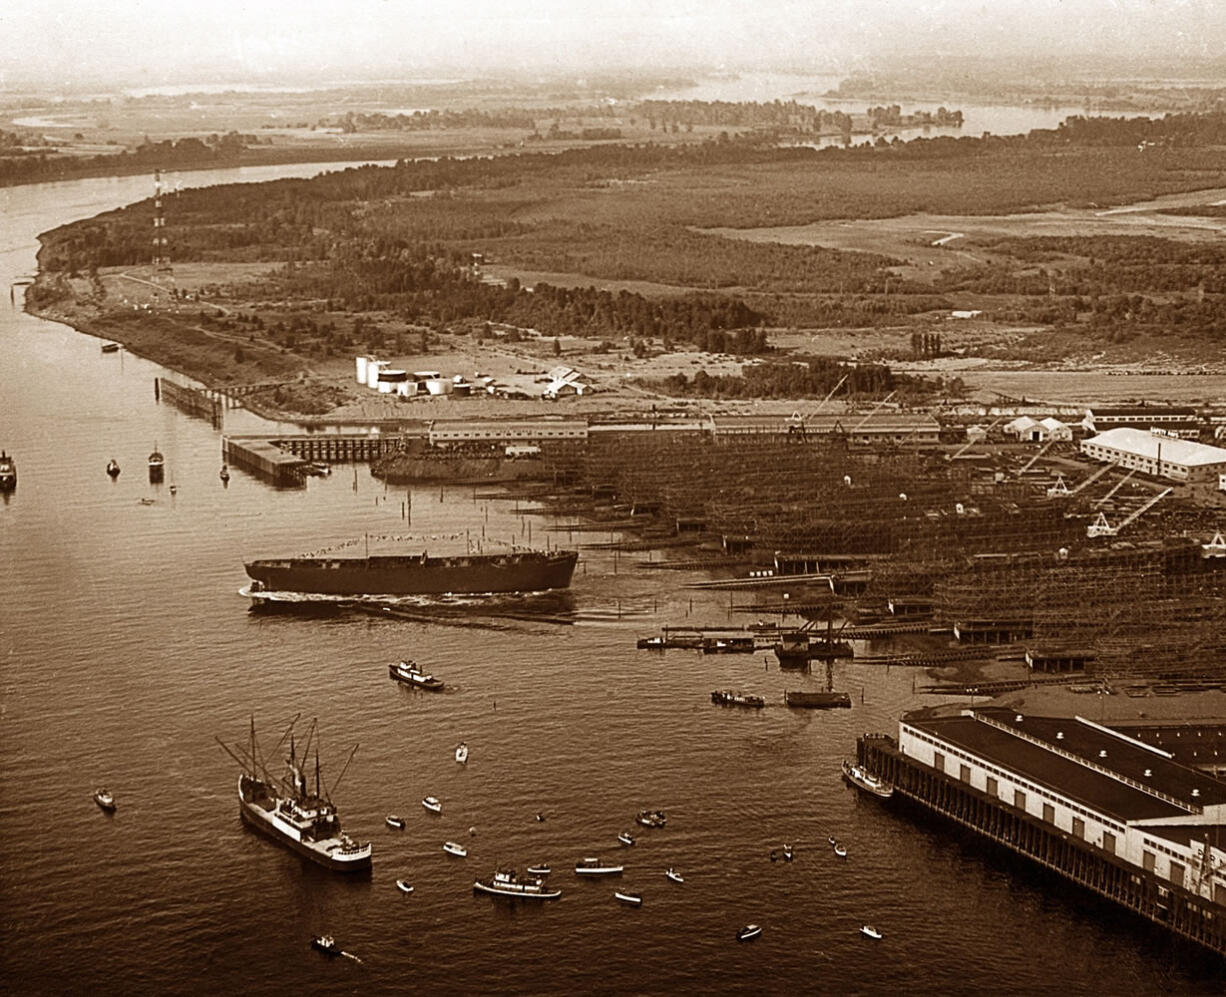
{"x": 540, "y": 818}
{"x": 539, "y": 870}
{"x": 112, "y": 468}
{"x": 326, "y": 944}
{"x": 461, "y": 753}
{"x": 174, "y": 489}
{"x": 840, "y": 851}
{"x": 870, "y": 932}
{"x": 594, "y": 867}
{"x": 105, "y": 799}
{"x": 110, "y": 347}
{"x": 224, "y": 473}
{"x": 404, "y": 886}
{"x": 749, "y": 932}
{"x": 833, "y": 840}
{"x": 651, "y": 818}
{"x": 633, "y": 899}
{"x": 157, "y": 465}
{"x": 395, "y": 822}
{"x": 788, "y": 854}
{"x": 672, "y": 874}
{"x": 433, "y": 804}
{"x": 451, "y": 848}
{"x": 625, "y": 838}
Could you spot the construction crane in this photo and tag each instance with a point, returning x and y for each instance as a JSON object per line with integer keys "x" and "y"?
{"x": 970, "y": 443}
{"x": 1030, "y": 463}
{"x": 1101, "y": 528}
{"x": 1118, "y": 485}
{"x": 1092, "y": 478}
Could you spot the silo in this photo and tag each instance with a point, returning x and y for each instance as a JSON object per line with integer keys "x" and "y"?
{"x": 373, "y": 367}
{"x": 362, "y": 363}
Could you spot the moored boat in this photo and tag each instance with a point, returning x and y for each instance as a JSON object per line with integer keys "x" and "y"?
{"x": 417, "y": 574}
{"x": 395, "y": 822}
{"x": 8, "y": 472}
{"x": 871, "y": 932}
{"x": 594, "y": 867}
{"x": 157, "y": 465}
{"x": 539, "y": 870}
{"x": 727, "y": 697}
{"x": 625, "y": 838}
{"x": 507, "y": 883}
{"x": 404, "y": 886}
{"x": 112, "y": 468}
{"x": 110, "y": 347}
{"x": 865, "y": 780}
{"x": 840, "y": 850}
{"x": 224, "y": 473}
{"x": 461, "y": 753}
{"x": 633, "y": 899}
{"x": 675, "y": 876}
{"x": 651, "y": 818}
{"x": 410, "y": 673}
{"x": 105, "y": 799}
{"x": 292, "y": 814}
{"x": 749, "y": 932}
{"x": 452, "y": 848}
{"x": 433, "y": 804}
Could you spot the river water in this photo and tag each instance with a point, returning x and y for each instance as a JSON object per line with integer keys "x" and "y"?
{"x": 125, "y": 650}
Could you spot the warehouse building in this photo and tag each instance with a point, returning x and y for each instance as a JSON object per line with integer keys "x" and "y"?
{"x": 1175, "y": 420}
{"x": 1162, "y": 456}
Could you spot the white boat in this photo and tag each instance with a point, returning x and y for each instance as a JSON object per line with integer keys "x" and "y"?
{"x": 404, "y": 886}
{"x": 749, "y": 932}
{"x": 395, "y": 821}
{"x": 451, "y": 848}
{"x": 869, "y": 931}
{"x": 675, "y": 876}
{"x": 633, "y": 899}
{"x": 625, "y": 838}
{"x": 433, "y": 804}
{"x": 594, "y": 867}
{"x": 840, "y": 851}
{"x": 506, "y": 883}
{"x": 865, "y": 780}
{"x": 105, "y": 799}
{"x": 539, "y": 870}
{"x": 461, "y": 753}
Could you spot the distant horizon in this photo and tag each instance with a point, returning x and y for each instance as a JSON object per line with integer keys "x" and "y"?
{"x": 52, "y": 46}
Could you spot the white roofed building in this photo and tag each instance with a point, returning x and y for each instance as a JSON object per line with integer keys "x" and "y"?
{"x": 1159, "y": 455}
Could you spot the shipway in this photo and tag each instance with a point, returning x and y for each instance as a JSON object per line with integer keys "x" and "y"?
{"x": 285, "y": 809}
{"x": 517, "y": 571}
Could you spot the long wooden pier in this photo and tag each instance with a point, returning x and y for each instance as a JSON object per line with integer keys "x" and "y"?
{"x": 194, "y": 401}
{"x": 1160, "y": 901}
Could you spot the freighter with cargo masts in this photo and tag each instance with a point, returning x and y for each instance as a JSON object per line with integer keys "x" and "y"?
{"x": 421, "y": 574}
{"x": 292, "y": 814}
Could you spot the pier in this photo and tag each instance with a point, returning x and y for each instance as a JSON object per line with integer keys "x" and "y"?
{"x": 286, "y": 461}
{"x": 194, "y": 401}
{"x": 1162, "y": 900}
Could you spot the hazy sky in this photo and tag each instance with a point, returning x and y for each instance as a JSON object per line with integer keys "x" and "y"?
{"x": 141, "y": 42}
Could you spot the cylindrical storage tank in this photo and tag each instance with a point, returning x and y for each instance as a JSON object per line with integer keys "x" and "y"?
{"x": 391, "y": 379}
{"x": 438, "y": 386}
{"x": 372, "y": 372}
{"x": 463, "y": 390}
{"x": 386, "y": 387}
{"x": 406, "y": 388}
{"x": 361, "y": 365}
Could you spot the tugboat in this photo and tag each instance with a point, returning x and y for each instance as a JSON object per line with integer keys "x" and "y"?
{"x": 157, "y": 465}
{"x": 507, "y": 883}
{"x": 105, "y": 799}
{"x": 112, "y": 468}
{"x": 8, "y": 472}
{"x": 286, "y": 810}
{"x": 327, "y": 945}
{"x": 729, "y": 697}
{"x": 410, "y": 673}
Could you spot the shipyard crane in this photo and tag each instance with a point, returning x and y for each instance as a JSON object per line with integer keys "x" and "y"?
{"x": 1117, "y": 486}
{"x": 874, "y": 411}
{"x": 1030, "y": 463}
{"x": 1101, "y": 528}
{"x": 1092, "y": 478}
{"x": 797, "y": 419}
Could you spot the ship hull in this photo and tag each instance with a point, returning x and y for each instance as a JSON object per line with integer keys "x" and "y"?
{"x": 255, "y": 816}
{"x": 416, "y": 575}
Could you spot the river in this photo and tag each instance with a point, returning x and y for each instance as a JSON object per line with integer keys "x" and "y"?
{"x": 125, "y": 651}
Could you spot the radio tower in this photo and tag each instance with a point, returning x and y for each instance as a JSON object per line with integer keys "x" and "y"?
{"x": 161, "y": 252}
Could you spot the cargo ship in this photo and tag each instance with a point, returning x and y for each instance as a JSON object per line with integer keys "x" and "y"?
{"x": 288, "y": 811}
{"x": 517, "y": 571}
